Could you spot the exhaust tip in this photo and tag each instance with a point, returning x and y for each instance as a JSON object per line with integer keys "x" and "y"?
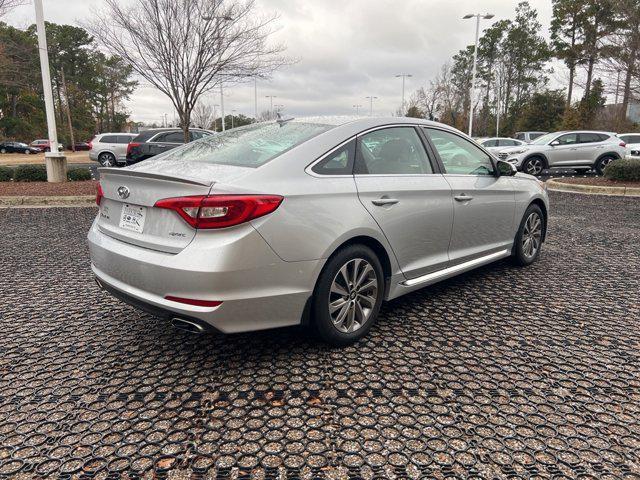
{"x": 188, "y": 326}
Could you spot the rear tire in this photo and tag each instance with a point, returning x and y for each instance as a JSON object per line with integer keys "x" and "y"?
{"x": 528, "y": 242}
{"x": 533, "y": 166}
{"x": 348, "y": 295}
{"x": 602, "y": 163}
{"x": 27, "y": 152}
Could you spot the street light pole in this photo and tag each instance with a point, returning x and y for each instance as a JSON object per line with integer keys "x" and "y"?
{"x": 486, "y": 16}
{"x": 56, "y": 163}
{"x": 404, "y": 76}
{"x": 371, "y": 99}
{"x": 357, "y": 107}
{"x": 233, "y": 113}
{"x": 255, "y": 94}
{"x": 222, "y": 107}
{"x": 270, "y": 97}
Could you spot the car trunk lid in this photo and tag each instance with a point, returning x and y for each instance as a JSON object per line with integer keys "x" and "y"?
{"x": 127, "y": 210}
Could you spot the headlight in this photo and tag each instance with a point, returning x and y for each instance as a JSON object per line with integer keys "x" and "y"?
{"x": 518, "y": 152}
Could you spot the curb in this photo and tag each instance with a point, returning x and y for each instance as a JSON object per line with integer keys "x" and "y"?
{"x": 558, "y": 186}
{"x": 39, "y": 201}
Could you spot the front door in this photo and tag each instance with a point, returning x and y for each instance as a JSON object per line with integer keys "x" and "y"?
{"x": 484, "y": 203}
{"x": 412, "y": 205}
{"x": 567, "y": 152}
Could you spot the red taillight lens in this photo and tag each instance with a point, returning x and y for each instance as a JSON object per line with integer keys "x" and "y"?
{"x": 622, "y": 144}
{"x": 90, "y": 144}
{"x": 193, "y": 301}
{"x": 220, "y": 211}
{"x": 131, "y": 146}
{"x": 99, "y": 194}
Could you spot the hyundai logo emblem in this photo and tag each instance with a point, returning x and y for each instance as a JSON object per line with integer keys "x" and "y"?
{"x": 123, "y": 192}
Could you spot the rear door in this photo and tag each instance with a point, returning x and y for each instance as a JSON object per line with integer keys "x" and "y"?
{"x": 120, "y": 151}
{"x": 484, "y": 203}
{"x": 127, "y": 210}
{"x": 407, "y": 197}
{"x": 164, "y": 142}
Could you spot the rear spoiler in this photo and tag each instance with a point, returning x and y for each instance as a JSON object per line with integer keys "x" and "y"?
{"x": 134, "y": 173}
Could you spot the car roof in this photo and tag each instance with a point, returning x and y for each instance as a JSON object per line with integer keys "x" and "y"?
{"x": 116, "y": 133}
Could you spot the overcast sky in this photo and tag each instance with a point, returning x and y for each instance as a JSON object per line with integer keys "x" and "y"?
{"x": 347, "y": 50}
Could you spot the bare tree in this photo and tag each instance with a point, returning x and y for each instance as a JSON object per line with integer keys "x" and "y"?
{"x": 7, "y": 5}
{"x": 203, "y": 115}
{"x": 186, "y": 48}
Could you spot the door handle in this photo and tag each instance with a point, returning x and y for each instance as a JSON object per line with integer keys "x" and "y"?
{"x": 463, "y": 198}
{"x": 384, "y": 201}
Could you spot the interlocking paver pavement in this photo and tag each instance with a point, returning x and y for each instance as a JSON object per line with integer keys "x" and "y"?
{"x": 504, "y": 372}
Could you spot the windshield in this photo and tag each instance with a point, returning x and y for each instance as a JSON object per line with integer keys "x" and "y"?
{"x": 250, "y": 146}
{"x": 544, "y": 139}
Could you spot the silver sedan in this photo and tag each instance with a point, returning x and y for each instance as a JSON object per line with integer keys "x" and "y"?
{"x": 314, "y": 221}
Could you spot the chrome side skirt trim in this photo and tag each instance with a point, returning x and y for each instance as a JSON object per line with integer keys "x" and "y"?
{"x": 430, "y": 277}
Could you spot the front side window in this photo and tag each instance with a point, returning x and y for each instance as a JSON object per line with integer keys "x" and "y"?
{"x": 568, "y": 139}
{"x": 630, "y": 138}
{"x": 520, "y": 136}
{"x": 392, "y": 151}
{"x": 249, "y": 146}
{"x": 338, "y": 162}
{"x": 171, "y": 137}
{"x": 458, "y": 155}
{"x": 508, "y": 143}
{"x": 490, "y": 143}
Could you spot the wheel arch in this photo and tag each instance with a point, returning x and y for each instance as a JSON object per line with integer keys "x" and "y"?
{"x": 545, "y": 215}
{"x": 615, "y": 155}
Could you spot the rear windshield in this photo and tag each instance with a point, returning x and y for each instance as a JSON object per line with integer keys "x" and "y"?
{"x": 250, "y": 146}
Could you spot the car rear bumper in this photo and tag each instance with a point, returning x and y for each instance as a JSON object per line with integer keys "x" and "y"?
{"x": 257, "y": 289}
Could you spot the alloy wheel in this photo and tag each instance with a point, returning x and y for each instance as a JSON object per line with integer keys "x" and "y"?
{"x": 534, "y": 166}
{"x": 353, "y": 295}
{"x": 532, "y": 235}
{"x": 604, "y": 162}
{"x": 106, "y": 160}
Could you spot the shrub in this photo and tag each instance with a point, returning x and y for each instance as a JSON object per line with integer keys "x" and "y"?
{"x": 6, "y": 174}
{"x": 79, "y": 174}
{"x": 30, "y": 173}
{"x": 623, "y": 170}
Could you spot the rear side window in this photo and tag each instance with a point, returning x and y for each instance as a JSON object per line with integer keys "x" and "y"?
{"x": 520, "y": 136}
{"x": 338, "y": 162}
{"x": 533, "y": 136}
{"x": 630, "y": 138}
{"x": 591, "y": 137}
{"x": 109, "y": 139}
{"x": 249, "y": 146}
{"x": 170, "y": 137}
{"x": 124, "y": 138}
{"x": 490, "y": 143}
{"x": 392, "y": 151}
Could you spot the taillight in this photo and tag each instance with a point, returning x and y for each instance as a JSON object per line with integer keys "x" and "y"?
{"x": 220, "y": 211}
{"x": 90, "y": 144}
{"x": 193, "y": 301}
{"x": 99, "y": 194}
{"x": 622, "y": 144}
{"x": 131, "y": 146}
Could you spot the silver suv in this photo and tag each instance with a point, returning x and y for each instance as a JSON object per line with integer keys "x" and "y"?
{"x": 110, "y": 149}
{"x": 579, "y": 150}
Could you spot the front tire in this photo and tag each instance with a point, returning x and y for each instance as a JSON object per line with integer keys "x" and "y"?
{"x": 3, "y": 150}
{"x": 533, "y": 166}
{"x": 348, "y": 295}
{"x": 528, "y": 242}
{"x": 602, "y": 163}
{"x": 27, "y": 152}
{"x": 107, "y": 160}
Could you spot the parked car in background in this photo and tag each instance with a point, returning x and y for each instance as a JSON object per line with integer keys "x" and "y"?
{"x": 17, "y": 147}
{"x": 44, "y": 145}
{"x": 528, "y": 137}
{"x": 110, "y": 149}
{"x": 579, "y": 150}
{"x": 633, "y": 143}
{"x": 317, "y": 219}
{"x": 159, "y": 140}
{"x": 495, "y": 144}
{"x": 80, "y": 146}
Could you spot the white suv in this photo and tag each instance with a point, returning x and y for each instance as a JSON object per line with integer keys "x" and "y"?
{"x": 110, "y": 149}
{"x": 579, "y": 150}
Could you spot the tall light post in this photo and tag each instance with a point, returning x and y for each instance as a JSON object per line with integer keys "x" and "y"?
{"x": 56, "y": 163}
{"x": 222, "y": 107}
{"x": 255, "y": 96}
{"x": 233, "y": 114}
{"x": 478, "y": 16}
{"x": 270, "y": 97}
{"x": 371, "y": 99}
{"x": 404, "y": 76}
{"x": 215, "y": 115}
{"x": 357, "y": 107}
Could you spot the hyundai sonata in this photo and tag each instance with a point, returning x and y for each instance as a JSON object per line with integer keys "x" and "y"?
{"x": 313, "y": 220}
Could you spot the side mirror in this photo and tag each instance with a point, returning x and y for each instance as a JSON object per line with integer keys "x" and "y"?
{"x": 555, "y": 143}
{"x": 506, "y": 169}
